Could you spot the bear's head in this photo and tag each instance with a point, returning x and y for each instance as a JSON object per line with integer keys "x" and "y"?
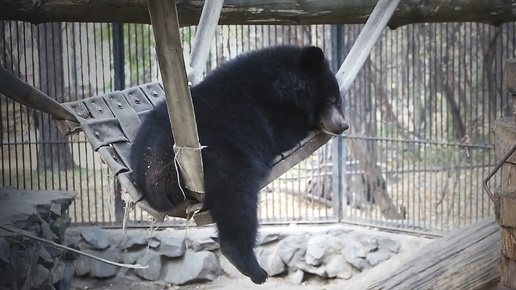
{"x": 324, "y": 91}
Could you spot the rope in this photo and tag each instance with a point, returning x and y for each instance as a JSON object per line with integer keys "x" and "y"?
{"x": 129, "y": 266}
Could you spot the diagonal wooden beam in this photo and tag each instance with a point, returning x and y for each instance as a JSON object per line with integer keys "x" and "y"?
{"x": 165, "y": 23}
{"x": 349, "y": 69}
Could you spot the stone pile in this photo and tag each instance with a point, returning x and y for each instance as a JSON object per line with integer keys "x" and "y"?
{"x": 327, "y": 251}
{"x": 24, "y": 262}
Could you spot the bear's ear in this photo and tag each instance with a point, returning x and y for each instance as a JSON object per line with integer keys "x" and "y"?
{"x": 311, "y": 59}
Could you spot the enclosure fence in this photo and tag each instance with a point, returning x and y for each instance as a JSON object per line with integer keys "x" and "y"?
{"x": 420, "y": 112}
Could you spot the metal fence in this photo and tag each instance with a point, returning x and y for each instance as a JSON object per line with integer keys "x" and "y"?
{"x": 420, "y": 113}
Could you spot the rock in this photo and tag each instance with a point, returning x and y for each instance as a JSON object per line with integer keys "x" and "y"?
{"x": 153, "y": 261}
{"x": 355, "y": 255}
{"x": 388, "y": 244}
{"x": 154, "y": 244}
{"x": 47, "y": 233}
{"x": 4, "y": 250}
{"x": 102, "y": 270}
{"x": 292, "y": 249}
{"x": 192, "y": 267}
{"x": 58, "y": 271}
{"x": 369, "y": 243}
{"x": 131, "y": 257}
{"x": 67, "y": 279}
{"x": 135, "y": 239}
{"x": 266, "y": 238}
{"x": 53, "y": 251}
{"x": 45, "y": 258}
{"x": 60, "y": 224}
{"x": 270, "y": 261}
{"x": 379, "y": 256}
{"x": 82, "y": 266}
{"x": 228, "y": 268}
{"x": 172, "y": 247}
{"x": 40, "y": 276}
{"x": 96, "y": 238}
{"x": 204, "y": 239}
{"x": 55, "y": 209}
{"x": 297, "y": 277}
{"x": 318, "y": 247}
{"x": 338, "y": 267}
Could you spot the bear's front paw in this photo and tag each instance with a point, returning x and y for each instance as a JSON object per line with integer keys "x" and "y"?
{"x": 260, "y": 277}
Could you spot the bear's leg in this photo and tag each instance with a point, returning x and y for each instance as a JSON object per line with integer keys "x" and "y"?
{"x": 236, "y": 217}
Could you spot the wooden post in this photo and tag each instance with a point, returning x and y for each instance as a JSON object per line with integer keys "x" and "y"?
{"x": 203, "y": 38}
{"x": 165, "y": 23}
{"x": 505, "y": 196}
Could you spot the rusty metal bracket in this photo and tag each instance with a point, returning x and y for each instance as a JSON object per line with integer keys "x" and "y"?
{"x": 493, "y": 172}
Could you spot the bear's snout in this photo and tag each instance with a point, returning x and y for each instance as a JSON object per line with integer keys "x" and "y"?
{"x": 332, "y": 122}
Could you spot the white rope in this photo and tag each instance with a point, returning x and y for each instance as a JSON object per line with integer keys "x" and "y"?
{"x": 135, "y": 266}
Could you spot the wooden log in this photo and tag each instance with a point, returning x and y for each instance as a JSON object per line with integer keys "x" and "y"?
{"x": 179, "y": 103}
{"x": 505, "y": 196}
{"x": 466, "y": 259}
{"x": 262, "y": 11}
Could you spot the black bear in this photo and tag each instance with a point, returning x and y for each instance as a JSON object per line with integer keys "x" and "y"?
{"x": 248, "y": 111}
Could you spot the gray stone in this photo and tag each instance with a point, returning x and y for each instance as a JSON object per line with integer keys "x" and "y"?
{"x": 96, "y": 238}
{"x": 135, "y": 239}
{"x": 4, "y": 250}
{"x": 379, "y": 256}
{"x": 297, "y": 277}
{"x": 60, "y": 224}
{"x": 369, "y": 243}
{"x": 292, "y": 249}
{"x": 228, "y": 268}
{"x": 318, "y": 247}
{"x": 153, "y": 261}
{"x": 55, "y": 209}
{"x": 388, "y": 244}
{"x": 192, "y": 267}
{"x": 266, "y": 238}
{"x": 46, "y": 232}
{"x": 338, "y": 267}
{"x": 172, "y": 247}
{"x": 355, "y": 255}
{"x": 202, "y": 244}
{"x": 132, "y": 257}
{"x": 270, "y": 261}
{"x": 58, "y": 271}
{"x": 45, "y": 258}
{"x": 318, "y": 271}
{"x": 102, "y": 270}
{"x": 67, "y": 279}
{"x": 40, "y": 276}
{"x": 154, "y": 244}
{"x": 82, "y": 266}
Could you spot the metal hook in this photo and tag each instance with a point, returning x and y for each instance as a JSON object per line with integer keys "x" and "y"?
{"x": 493, "y": 172}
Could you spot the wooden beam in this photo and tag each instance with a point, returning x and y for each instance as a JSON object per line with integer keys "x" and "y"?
{"x": 203, "y": 39}
{"x": 180, "y": 108}
{"x": 467, "y": 259}
{"x": 262, "y": 11}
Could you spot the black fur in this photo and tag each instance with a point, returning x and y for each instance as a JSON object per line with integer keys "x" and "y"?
{"x": 248, "y": 111}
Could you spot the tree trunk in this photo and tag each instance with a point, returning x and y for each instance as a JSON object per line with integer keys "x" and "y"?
{"x": 53, "y": 150}
{"x": 466, "y": 259}
{"x": 261, "y": 11}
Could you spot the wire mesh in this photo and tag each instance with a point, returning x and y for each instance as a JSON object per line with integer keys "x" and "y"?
{"x": 420, "y": 113}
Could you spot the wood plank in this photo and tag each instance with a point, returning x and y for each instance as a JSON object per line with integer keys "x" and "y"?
{"x": 288, "y": 12}
{"x": 466, "y": 259}
{"x": 180, "y": 108}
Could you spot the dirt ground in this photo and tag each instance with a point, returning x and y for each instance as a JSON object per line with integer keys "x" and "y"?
{"x": 222, "y": 282}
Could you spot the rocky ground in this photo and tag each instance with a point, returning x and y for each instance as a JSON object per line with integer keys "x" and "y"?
{"x": 306, "y": 257}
